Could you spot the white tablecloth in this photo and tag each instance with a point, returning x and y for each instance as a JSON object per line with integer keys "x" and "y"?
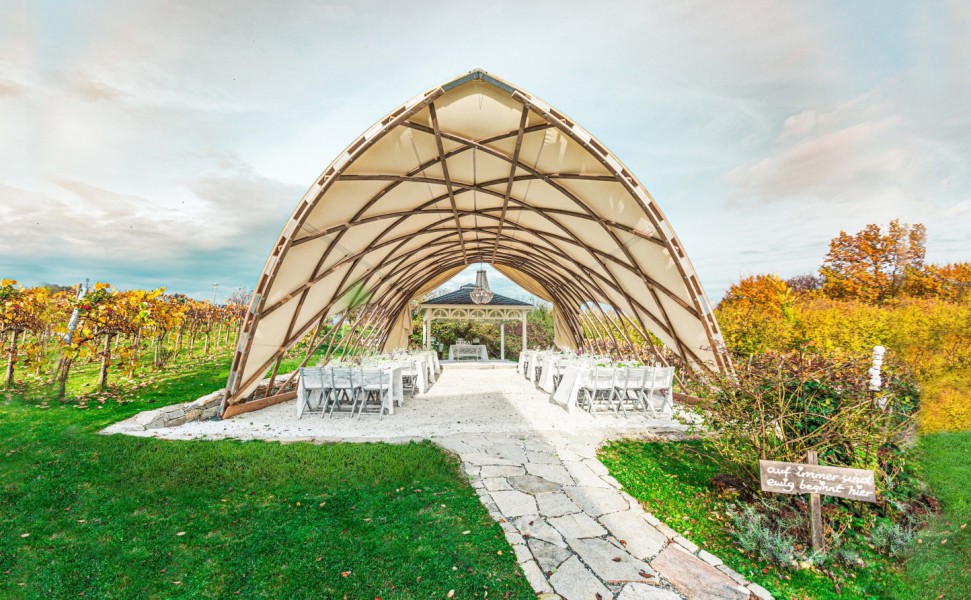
{"x": 573, "y": 378}
{"x": 466, "y": 349}
{"x": 569, "y": 388}
{"x": 548, "y": 366}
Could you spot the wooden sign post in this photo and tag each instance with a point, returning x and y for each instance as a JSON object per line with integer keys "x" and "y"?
{"x": 810, "y": 478}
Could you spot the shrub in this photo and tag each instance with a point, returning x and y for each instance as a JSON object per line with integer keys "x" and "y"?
{"x": 893, "y": 538}
{"x": 779, "y": 406}
{"x": 766, "y": 538}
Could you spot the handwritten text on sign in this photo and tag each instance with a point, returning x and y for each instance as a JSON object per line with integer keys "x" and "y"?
{"x": 800, "y": 478}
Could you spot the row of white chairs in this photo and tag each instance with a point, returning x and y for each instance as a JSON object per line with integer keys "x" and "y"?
{"x": 635, "y": 388}
{"x": 327, "y": 390}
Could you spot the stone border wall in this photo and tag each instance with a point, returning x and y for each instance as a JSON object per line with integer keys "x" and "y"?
{"x": 205, "y": 408}
{"x": 202, "y": 409}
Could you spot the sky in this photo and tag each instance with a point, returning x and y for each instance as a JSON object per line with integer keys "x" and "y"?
{"x": 166, "y": 143}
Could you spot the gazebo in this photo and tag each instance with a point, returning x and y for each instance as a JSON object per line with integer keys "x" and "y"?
{"x": 459, "y": 306}
{"x": 475, "y": 170}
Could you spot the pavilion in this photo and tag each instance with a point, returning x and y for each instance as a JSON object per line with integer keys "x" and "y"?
{"x": 475, "y": 170}
{"x": 459, "y": 306}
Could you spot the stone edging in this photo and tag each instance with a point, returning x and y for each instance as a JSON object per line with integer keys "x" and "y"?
{"x": 202, "y": 409}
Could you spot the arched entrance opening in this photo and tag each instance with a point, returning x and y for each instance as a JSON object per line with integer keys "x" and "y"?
{"x": 476, "y": 170}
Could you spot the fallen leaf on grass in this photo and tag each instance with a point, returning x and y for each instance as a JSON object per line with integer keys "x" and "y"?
{"x": 450, "y": 594}
{"x": 24, "y": 535}
{"x": 345, "y": 573}
{"x": 180, "y": 534}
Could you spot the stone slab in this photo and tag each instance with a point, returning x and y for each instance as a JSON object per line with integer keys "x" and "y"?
{"x": 577, "y": 525}
{"x": 640, "y": 539}
{"x": 612, "y": 564}
{"x": 597, "y": 501}
{"x": 643, "y": 591}
{"x": 533, "y": 484}
{"x": 495, "y": 484}
{"x": 535, "y": 527}
{"x": 555, "y": 473}
{"x": 549, "y": 556}
{"x": 514, "y": 504}
{"x": 574, "y": 582}
{"x": 489, "y": 471}
{"x": 695, "y": 578}
{"x": 555, "y": 504}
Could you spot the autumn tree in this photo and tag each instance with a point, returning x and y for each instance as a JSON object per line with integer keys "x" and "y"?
{"x": 757, "y": 314}
{"x": 875, "y": 267}
{"x": 953, "y": 279}
{"x": 21, "y": 311}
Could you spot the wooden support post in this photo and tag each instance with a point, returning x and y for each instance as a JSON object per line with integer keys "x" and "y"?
{"x": 815, "y": 511}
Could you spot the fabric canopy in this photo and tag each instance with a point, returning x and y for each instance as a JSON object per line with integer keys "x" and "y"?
{"x": 476, "y": 170}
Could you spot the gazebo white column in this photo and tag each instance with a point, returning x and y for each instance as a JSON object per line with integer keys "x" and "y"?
{"x": 502, "y": 340}
{"x": 524, "y": 331}
{"x": 426, "y": 331}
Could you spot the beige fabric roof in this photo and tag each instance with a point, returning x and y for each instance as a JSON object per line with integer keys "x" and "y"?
{"x": 476, "y": 170}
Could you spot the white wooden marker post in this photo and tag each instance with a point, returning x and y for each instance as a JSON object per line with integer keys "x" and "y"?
{"x": 810, "y": 478}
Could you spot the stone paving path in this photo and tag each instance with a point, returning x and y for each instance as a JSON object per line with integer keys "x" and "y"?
{"x": 576, "y": 534}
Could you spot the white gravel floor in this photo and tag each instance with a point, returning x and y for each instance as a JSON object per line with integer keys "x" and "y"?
{"x": 463, "y": 400}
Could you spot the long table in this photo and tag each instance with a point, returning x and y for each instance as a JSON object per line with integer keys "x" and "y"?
{"x": 397, "y": 385}
{"x": 476, "y": 350}
{"x": 573, "y": 380}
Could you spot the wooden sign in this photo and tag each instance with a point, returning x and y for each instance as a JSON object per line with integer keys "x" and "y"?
{"x": 802, "y": 478}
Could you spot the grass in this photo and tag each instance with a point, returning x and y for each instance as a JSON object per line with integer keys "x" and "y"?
{"x": 672, "y": 481}
{"x": 941, "y": 564}
{"x": 83, "y": 514}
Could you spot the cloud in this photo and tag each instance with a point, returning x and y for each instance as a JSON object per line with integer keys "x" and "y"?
{"x": 831, "y": 166}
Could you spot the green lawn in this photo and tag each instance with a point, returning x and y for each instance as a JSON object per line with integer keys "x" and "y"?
{"x": 941, "y": 564}
{"x": 671, "y": 479}
{"x": 83, "y": 514}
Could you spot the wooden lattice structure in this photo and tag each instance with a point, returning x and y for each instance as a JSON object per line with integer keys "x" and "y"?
{"x": 475, "y": 170}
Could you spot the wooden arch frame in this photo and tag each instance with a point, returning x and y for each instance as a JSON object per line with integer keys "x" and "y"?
{"x": 600, "y": 245}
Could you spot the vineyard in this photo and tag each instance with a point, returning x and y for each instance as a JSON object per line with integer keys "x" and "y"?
{"x": 49, "y": 335}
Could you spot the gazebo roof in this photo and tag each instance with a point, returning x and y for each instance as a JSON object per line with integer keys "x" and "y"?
{"x": 463, "y": 296}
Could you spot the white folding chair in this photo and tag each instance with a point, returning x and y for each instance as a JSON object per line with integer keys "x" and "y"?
{"x": 658, "y": 381}
{"x": 310, "y": 388}
{"x": 630, "y": 388}
{"x": 345, "y": 389}
{"x": 663, "y": 386}
{"x": 409, "y": 377}
{"x": 376, "y": 388}
{"x": 598, "y": 387}
{"x": 559, "y": 368}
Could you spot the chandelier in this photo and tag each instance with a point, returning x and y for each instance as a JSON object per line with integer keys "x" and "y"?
{"x": 481, "y": 294}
